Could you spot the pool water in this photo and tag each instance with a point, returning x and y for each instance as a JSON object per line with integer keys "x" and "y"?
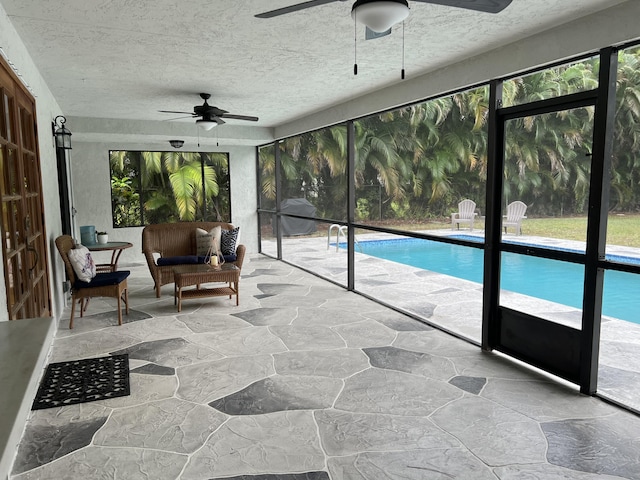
{"x": 559, "y": 282}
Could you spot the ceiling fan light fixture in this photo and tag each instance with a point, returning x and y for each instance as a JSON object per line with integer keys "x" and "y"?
{"x": 380, "y": 15}
{"x": 206, "y": 124}
{"x": 176, "y": 143}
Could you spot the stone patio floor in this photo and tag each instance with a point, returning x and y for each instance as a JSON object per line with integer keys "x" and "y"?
{"x": 305, "y": 380}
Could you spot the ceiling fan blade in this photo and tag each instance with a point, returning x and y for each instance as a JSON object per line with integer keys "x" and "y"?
{"x": 219, "y": 121}
{"x": 295, "y": 8}
{"x": 177, "y": 118}
{"x": 173, "y": 111}
{"x": 487, "y": 6}
{"x": 240, "y": 117}
{"x": 370, "y": 34}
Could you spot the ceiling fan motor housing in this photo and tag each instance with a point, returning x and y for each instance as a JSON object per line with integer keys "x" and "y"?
{"x": 207, "y": 111}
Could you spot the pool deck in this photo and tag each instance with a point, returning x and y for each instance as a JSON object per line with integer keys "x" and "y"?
{"x": 455, "y": 305}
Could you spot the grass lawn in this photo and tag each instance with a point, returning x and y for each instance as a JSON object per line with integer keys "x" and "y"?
{"x": 623, "y": 230}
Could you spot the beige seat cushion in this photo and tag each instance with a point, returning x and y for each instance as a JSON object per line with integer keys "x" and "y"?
{"x": 208, "y": 240}
{"x": 82, "y": 263}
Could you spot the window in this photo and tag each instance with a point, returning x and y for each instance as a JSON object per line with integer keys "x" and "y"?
{"x": 158, "y": 187}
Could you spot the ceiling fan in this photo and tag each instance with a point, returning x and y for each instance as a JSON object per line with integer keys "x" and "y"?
{"x": 380, "y": 15}
{"x": 210, "y": 116}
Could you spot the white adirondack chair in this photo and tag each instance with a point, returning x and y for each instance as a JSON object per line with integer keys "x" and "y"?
{"x": 514, "y": 216}
{"x": 466, "y": 214}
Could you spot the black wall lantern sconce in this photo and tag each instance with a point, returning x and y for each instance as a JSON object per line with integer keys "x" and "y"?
{"x": 61, "y": 133}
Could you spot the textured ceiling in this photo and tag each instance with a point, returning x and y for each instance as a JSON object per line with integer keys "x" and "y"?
{"x": 127, "y": 59}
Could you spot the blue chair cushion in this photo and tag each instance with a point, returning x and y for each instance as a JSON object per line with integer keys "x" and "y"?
{"x": 178, "y": 260}
{"x": 227, "y": 258}
{"x": 102, "y": 279}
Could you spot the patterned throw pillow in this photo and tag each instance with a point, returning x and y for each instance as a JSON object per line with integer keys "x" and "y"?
{"x": 205, "y": 240}
{"x": 82, "y": 263}
{"x": 228, "y": 241}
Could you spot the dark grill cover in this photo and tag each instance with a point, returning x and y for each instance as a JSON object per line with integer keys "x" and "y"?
{"x": 297, "y": 226}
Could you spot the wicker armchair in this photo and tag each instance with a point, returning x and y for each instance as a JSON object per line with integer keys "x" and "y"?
{"x": 111, "y": 284}
{"x": 175, "y": 240}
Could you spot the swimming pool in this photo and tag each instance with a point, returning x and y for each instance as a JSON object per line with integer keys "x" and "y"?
{"x": 559, "y": 282}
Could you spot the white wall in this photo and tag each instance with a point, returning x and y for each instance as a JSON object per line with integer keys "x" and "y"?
{"x": 47, "y": 109}
{"x": 21, "y": 373}
{"x": 92, "y": 192}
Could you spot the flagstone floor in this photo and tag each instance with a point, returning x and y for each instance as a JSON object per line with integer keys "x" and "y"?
{"x": 455, "y": 305}
{"x": 305, "y": 380}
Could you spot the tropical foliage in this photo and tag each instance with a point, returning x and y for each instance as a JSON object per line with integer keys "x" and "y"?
{"x": 419, "y": 162}
{"x": 156, "y": 187}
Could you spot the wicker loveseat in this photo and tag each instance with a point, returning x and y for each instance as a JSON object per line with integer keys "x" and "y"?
{"x": 176, "y": 240}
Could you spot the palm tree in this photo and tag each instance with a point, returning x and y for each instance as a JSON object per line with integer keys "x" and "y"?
{"x": 449, "y": 158}
{"x": 625, "y": 171}
{"x": 329, "y": 160}
{"x": 267, "y": 172}
{"x": 125, "y": 196}
{"x": 378, "y": 164}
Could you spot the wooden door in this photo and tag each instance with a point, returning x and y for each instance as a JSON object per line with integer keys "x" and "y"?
{"x": 22, "y": 224}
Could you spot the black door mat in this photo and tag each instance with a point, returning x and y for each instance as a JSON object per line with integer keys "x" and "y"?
{"x": 79, "y": 381}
